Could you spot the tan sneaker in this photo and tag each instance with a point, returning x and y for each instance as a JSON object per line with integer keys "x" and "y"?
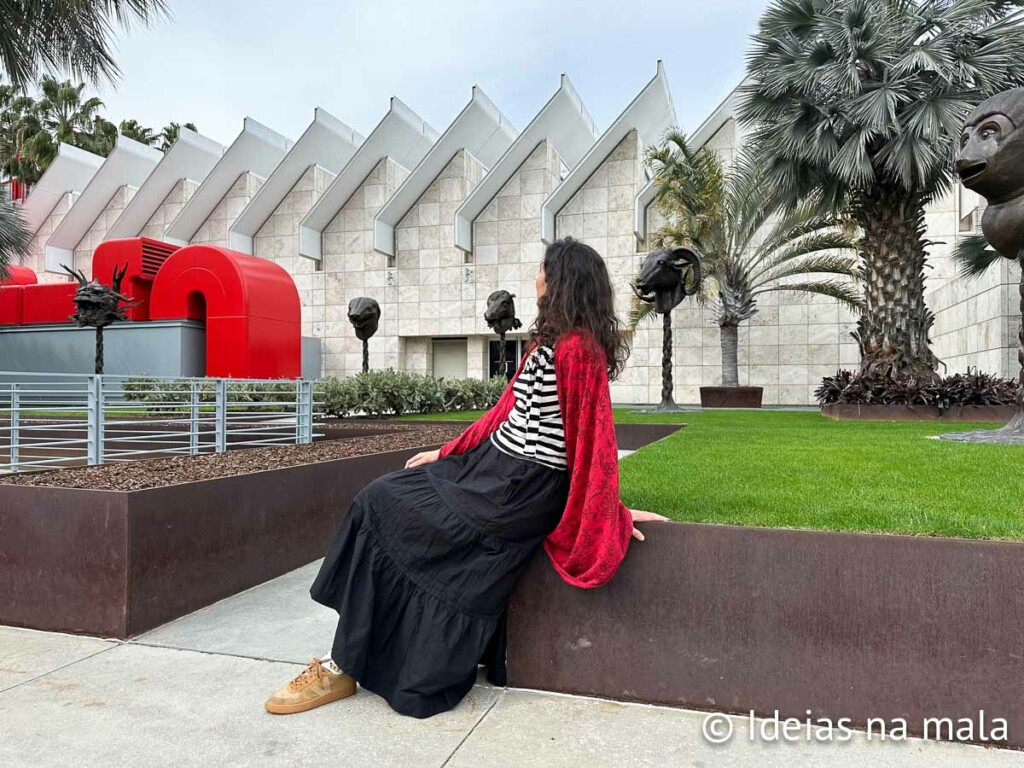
{"x": 316, "y": 685}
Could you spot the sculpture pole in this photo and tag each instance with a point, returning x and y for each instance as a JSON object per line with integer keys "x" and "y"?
{"x": 666, "y": 278}
{"x": 501, "y": 317}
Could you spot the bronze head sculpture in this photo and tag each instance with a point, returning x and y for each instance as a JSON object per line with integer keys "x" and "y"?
{"x": 501, "y": 312}
{"x": 990, "y": 162}
{"x": 665, "y": 279}
{"x": 97, "y": 306}
{"x": 668, "y": 277}
{"x": 501, "y": 318}
{"x": 364, "y": 314}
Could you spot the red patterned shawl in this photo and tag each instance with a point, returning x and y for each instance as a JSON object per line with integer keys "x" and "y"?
{"x": 590, "y": 542}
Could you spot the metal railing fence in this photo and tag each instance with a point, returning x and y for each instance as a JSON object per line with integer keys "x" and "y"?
{"x": 59, "y": 420}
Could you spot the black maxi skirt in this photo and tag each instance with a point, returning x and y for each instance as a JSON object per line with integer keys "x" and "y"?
{"x": 421, "y": 569}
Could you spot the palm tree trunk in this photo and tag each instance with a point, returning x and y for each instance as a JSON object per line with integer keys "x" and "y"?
{"x": 893, "y": 329}
{"x": 730, "y": 361}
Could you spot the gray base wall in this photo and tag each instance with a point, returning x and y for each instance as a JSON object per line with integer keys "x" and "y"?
{"x": 157, "y": 348}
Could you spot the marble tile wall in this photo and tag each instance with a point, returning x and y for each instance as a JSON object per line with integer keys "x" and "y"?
{"x": 278, "y": 240}
{"x": 214, "y": 231}
{"x": 437, "y": 291}
{"x": 98, "y": 231}
{"x": 352, "y": 268}
{"x": 171, "y": 206}
{"x": 35, "y": 259}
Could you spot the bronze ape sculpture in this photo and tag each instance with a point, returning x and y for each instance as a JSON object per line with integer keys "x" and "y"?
{"x": 364, "y": 314}
{"x": 666, "y": 278}
{"x": 990, "y": 162}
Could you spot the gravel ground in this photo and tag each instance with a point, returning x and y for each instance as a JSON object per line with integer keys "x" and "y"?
{"x": 157, "y": 473}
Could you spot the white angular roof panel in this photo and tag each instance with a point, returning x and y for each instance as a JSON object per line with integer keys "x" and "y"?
{"x": 401, "y": 135}
{"x": 480, "y": 129}
{"x": 190, "y": 157}
{"x": 650, "y": 114}
{"x": 128, "y": 164}
{"x": 327, "y": 142}
{"x": 563, "y": 121}
{"x": 257, "y": 149}
{"x": 70, "y": 171}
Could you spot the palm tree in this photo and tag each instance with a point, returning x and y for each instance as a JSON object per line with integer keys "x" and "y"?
{"x": 170, "y": 134}
{"x": 751, "y": 243}
{"x": 71, "y": 37}
{"x": 61, "y": 115}
{"x": 140, "y": 133}
{"x": 858, "y": 101}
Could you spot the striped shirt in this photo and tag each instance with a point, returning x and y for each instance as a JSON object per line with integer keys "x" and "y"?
{"x": 533, "y": 429}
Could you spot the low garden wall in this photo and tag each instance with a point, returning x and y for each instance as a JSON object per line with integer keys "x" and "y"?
{"x": 739, "y": 619}
{"x": 119, "y": 561}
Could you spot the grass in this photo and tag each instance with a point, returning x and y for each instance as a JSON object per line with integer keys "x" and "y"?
{"x": 785, "y": 469}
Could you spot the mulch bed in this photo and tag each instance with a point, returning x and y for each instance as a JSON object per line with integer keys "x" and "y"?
{"x": 156, "y": 473}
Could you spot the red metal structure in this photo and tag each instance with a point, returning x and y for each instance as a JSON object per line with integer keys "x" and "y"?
{"x": 250, "y": 305}
{"x": 142, "y": 257}
{"x": 18, "y": 275}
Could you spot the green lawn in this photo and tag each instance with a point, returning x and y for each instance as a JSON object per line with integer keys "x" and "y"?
{"x": 787, "y": 469}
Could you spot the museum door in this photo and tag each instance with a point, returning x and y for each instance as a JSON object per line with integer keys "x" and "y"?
{"x": 450, "y": 358}
{"x": 513, "y": 351}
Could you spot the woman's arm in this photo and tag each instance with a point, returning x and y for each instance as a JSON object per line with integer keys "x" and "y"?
{"x": 590, "y": 542}
{"x": 481, "y": 429}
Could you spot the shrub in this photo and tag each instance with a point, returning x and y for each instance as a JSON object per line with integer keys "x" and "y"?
{"x": 971, "y": 388}
{"x": 389, "y": 392}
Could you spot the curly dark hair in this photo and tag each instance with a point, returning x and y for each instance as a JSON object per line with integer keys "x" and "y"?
{"x": 578, "y": 294}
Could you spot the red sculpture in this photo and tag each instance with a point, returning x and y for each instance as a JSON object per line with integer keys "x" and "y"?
{"x": 142, "y": 257}
{"x": 250, "y": 305}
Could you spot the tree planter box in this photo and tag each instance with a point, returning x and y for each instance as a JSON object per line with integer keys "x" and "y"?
{"x": 1000, "y": 413}
{"x": 853, "y": 412}
{"x": 738, "y": 619}
{"x": 117, "y": 563}
{"x": 731, "y": 397}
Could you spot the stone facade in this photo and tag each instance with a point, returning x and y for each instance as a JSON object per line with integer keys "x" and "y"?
{"x": 171, "y": 206}
{"x": 37, "y": 248}
{"x": 437, "y": 290}
{"x": 214, "y": 231}
{"x": 600, "y": 213}
{"x": 351, "y": 268}
{"x": 98, "y": 231}
{"x": 278, "y": 240}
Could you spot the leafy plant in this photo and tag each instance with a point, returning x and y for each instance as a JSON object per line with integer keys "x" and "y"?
{"x": 961, "y": 389}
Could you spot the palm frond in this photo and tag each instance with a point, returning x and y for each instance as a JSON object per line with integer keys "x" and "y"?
{"x": 973, "y": 256}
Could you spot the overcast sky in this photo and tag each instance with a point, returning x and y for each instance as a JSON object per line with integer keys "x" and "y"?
{"x": 218, "y": 61}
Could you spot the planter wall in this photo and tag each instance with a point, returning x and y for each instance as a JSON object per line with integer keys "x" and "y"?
{"x": 855, "y": 412}
{"x": 739, "y": 619}
{"x": 731, "y": 397}
{"x": 116, "y": 563}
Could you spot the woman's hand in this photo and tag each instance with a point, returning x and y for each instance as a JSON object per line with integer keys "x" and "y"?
{"x": 640, "y": 516}
{"x": 424, "y": 457}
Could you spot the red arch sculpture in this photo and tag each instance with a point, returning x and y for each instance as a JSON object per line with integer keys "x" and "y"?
{"x": 251, "y": 307}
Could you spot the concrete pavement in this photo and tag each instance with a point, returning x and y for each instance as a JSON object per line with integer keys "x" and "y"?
{"x": 191, "y": 693}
